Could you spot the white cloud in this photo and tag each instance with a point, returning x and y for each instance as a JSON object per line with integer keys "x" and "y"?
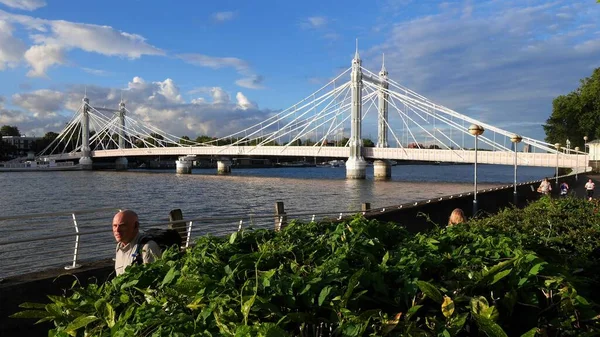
{"x": 219, "y": 96}
{"x": 250, "y": 80}
{"x": 53, "y": 38}
{"x": 158, "y": 103}
{"x": 97, "y": 72}
{"x": 28, "y": 5}
{"x": 500, "y": 58}
{"x": 315, "y": 22}
{"x": 42, "y": 103}
{"x": 216, "y": 62}
{"x": 41, "y": 57}
{"x": 244, "y": 103}
{"x": 12, "y": 49}
{"x": 223, "y": 16}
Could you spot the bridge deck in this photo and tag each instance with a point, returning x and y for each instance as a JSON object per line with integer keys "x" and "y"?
{"x": 435, "y": 155}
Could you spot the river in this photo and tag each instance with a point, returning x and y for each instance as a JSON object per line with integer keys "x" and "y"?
{"x": 152, "y": 194}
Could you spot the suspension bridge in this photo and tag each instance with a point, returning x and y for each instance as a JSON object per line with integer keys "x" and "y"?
{"x": 409, "y": 127}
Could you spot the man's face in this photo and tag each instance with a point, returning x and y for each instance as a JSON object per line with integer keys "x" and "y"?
{"x": 125, "y": 227}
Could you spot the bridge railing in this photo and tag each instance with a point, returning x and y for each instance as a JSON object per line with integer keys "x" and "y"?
{"x": 37, "y": 242}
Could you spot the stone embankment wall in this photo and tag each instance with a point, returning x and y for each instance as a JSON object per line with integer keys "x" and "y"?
{"x": 416, "y": 217}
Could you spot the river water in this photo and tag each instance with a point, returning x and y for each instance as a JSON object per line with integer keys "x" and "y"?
{"x": 152, "y": 194}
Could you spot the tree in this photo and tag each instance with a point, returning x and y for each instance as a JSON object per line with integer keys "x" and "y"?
{"x": 185, "y": 140}
{"x": 367, "y": 142}
{"x": 7, "y": 130}
{"x": 576, "y": 114}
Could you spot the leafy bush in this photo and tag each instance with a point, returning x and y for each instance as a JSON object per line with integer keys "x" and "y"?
{"x": 521, "y": 272}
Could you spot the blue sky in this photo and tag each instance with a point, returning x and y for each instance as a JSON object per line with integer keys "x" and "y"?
{"x": 199, "y": 67}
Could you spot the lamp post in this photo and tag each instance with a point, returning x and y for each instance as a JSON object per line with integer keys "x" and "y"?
{"x": 585, "y": 138}
{"x": 568, "y": 142}
{"x": 576, "y": 162}
{"x": 516, "y": 139}
{"x": 557, "y": 146}
{"x": 475, "y": 130}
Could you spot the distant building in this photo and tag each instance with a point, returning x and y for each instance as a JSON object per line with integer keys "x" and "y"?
{"x": 22, "y": 143}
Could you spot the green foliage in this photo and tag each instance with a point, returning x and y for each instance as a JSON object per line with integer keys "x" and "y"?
{"x": 519, "y": 273}
{"x": 576, "y": 114}
{"x": 7, "y": 130}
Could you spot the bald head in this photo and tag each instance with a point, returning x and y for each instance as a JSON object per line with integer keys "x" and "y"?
{"x": 125, "y": 226}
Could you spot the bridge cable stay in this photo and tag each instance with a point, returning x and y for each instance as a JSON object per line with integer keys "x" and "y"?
{"x": 412, "y": 106}
{"x": 69, "y": 130}
{"x": 422, "y": 128}
{"x": 526, "y": 140}
{"x": 296, "y": 122}
{"x": 285, "y": 113}
{"x": 303, "y": 132}
{"x": 327, "y": 107}
{"x": 293, "y": 123}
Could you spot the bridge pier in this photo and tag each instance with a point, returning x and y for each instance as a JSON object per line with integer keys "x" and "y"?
{"x": 183, "y": 165}
{"x": 121, "y": 164}
{"x": 224, "y": 166}
{"x": 382, "y": 169}
{"x": 356, "y": 168}
{"x": 85, "y": 163}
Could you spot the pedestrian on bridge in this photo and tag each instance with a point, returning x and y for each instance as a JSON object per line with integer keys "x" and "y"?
{"x": 126, "y": 230}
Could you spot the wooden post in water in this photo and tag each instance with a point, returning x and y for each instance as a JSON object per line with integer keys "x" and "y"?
{"x": 280, "y": 217}
{"x": 177, "y": 215}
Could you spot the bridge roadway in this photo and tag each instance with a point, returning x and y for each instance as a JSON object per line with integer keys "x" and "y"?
{"x": 371, "y": 153}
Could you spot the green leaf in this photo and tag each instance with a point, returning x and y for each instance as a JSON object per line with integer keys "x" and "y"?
{"x": 385, "y": 259}
{"x": 500, "y": 275}
{"x": 354, "y": 280}
{"x": 457, "y": 323}
{"x": 478, "y": 304}
{"x": 171, "y": 274}
{"x": 31, "y": 314}
{"x": 232, "y": 237}
{"x": 30, "y": 305}
{"x": 323, "y": 295}
{"x": 430, "y": 291}
{"x": 489, "y": 327}
{"x": 491, "y": 313}
{"x": 447, "y": 307}
{"x": 110, "y": 315}
{"x": 80, "y": 322}
{"x": 413, "y": 310}
{"x": 536, "y": 269}
{"x": 246, "y": 308}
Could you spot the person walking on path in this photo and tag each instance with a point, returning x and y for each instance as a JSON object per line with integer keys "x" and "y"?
{"x": 564, "y": 189}
{"x": 545, "y": 187}
{"x": 126, "y": 230}
{"x": 589, "y": 188}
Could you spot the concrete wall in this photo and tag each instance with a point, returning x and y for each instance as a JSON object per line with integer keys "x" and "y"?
{"x": 34, "y": 287}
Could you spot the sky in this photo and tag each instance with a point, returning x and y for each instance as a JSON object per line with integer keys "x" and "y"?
{"x": 213, "y": 68}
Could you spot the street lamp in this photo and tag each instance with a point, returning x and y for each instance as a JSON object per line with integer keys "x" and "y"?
{"x": 585, "y": 138}
{"x": 475, "y": 130}
{"x": 557, "y": 146}
{"x": 576, "y": 161}
{"x": 516, "y": 139}
{"x": 568, "y": 142}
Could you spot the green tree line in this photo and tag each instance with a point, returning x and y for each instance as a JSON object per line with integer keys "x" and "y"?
{"x": 576, "y": 114}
